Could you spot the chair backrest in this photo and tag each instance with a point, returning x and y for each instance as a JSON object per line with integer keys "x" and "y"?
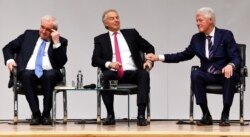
{"x": 240, "y": 86}
{"x": 243, "y": 71}
{"x": 242, "y": 49}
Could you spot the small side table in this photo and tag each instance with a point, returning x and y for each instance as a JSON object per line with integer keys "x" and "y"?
{"x": 65, "y": 89}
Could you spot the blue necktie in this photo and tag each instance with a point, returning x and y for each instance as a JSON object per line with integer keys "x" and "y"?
{"x": 39, "y": 60}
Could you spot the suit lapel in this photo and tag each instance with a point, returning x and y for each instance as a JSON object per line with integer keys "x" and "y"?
{"x": 30, "y": 46}
{"x": 202, "y": 44}
{"x": 217, "y": 38}
{"x": 127, "y": 39}
{"x": 108, "y": 44}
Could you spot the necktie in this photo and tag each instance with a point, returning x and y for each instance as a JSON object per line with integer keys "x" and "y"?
{"x": 39, "y": 60}
{"x": 211, "y": 69}
{"x": 118, "y": 55}
{"x": 210, "y": 46}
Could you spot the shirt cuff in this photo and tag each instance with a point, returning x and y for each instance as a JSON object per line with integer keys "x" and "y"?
{"x": 107, "y": 64}
{"x": 161, "y": 57}
{"x": 56, "y": 45}
{"x": 9, "y": 61}
{"x": 232, "y": 64}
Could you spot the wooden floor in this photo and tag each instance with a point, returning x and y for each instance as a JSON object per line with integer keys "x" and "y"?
{"x": 121, "y": 129}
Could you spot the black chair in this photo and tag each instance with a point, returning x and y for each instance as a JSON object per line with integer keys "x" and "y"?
{"x": 217, "y": 89}
{"x": 122, "y": 89}
{"x": 18, "y": 90}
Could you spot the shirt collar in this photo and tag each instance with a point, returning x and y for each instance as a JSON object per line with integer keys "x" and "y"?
{"x": 212, "y": 33}
{"x": 111, "y": 33}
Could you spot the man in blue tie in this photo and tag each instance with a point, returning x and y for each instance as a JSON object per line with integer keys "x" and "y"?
{"x": 219, "y": 63}
{"x": 40, "y": 55}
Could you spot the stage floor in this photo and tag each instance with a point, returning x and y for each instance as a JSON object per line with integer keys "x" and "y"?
{"x": 121, "y": 129}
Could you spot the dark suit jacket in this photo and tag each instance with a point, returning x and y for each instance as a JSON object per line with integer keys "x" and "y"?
{"x": 24, "y": 45}
{"x": 103, "y": 48}
{"x": 225, "y": 51}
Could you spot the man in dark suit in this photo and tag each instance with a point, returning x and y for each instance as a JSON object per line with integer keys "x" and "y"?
{"x": 127, "y": 66}
{"x": 34, "y": 69}
{"x": 219, "y": 62}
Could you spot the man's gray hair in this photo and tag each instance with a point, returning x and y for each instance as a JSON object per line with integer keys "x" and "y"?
{"x": 104, "y": 15}
{"x": 52, "y": 19}
{"x": 207, "y": 12}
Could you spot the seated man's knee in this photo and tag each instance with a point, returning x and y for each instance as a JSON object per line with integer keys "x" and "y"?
{"x": 27, "y": 75}
{"x": 195, "y": 75}
{"x": 52, "y": 75}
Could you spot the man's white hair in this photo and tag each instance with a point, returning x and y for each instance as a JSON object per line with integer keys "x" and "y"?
{"x": 52, "y": 19}
{"x": 207, "y": 12}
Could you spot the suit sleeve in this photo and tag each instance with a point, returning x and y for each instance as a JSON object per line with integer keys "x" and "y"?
{"x": 98, "y": 60}
{"x": 187, "y": 54}
{"x": 144, "y": 45}
{"x": 12, "y": 47}
{"x": 232, "y": 50}
{"x": 60, "y": 54}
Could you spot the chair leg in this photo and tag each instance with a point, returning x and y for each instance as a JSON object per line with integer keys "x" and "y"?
{"x": 15, "y": 120}
{"x": 148, "y": 111}
{"x": 54, "y": 107}
{"x": 242, "y": 123}
{"x": 98, "y": 119}
{"x": 191, "y": 111}
{"x": 128, "y": 110}
{"x": 65, "y": 107}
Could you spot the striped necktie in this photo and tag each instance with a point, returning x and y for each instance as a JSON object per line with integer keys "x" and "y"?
{"x": 210, "y": 46}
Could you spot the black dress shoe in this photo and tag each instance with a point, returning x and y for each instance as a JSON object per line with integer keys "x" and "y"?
{"x": 47, "y": 121}
{"x": 110, "y": 120}
{"x": 224, "y": 121}
{"x": 35, "y": 120}
{"x": 141, "y": 121}
{"x": 205, "y": 120}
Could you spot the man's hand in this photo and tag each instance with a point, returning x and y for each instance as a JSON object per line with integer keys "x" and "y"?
{"x": 152, "y": 57}
{"x": 55, "y": 36}
{"x": 115, "y": 65}
{"x": 11, "y": 66}
{"x": 148, "y": 65}
{"x": 228, "y": 71}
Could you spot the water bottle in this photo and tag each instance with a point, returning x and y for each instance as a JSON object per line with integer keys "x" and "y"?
{"x": 100, "y": 82}
{"x": 79, "y": 80}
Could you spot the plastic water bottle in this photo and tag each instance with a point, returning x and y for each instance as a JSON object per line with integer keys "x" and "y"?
{"x": 100, "y": 82}
{"x": 79, "y": 83}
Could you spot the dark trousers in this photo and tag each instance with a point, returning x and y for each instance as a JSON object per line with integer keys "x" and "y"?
{"x": 200, "y": 79}
{"x": 48, "y": 81}
{"x": 138, "y": 77}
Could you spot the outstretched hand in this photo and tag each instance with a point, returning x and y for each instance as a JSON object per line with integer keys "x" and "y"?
{"x": 152, "y": 57}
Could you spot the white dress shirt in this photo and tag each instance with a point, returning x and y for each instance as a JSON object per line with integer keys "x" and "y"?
{"x": 127, "y": 61}
{"x": 46, "y": 61}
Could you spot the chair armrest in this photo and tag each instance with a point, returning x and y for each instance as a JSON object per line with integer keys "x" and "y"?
{"x": 99, "y": 77}
{"x": 244, "y": 71}
{"x": 15, "y": 81}
{"x": 63, "y": 82}
{"x": 194, "y": 68}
